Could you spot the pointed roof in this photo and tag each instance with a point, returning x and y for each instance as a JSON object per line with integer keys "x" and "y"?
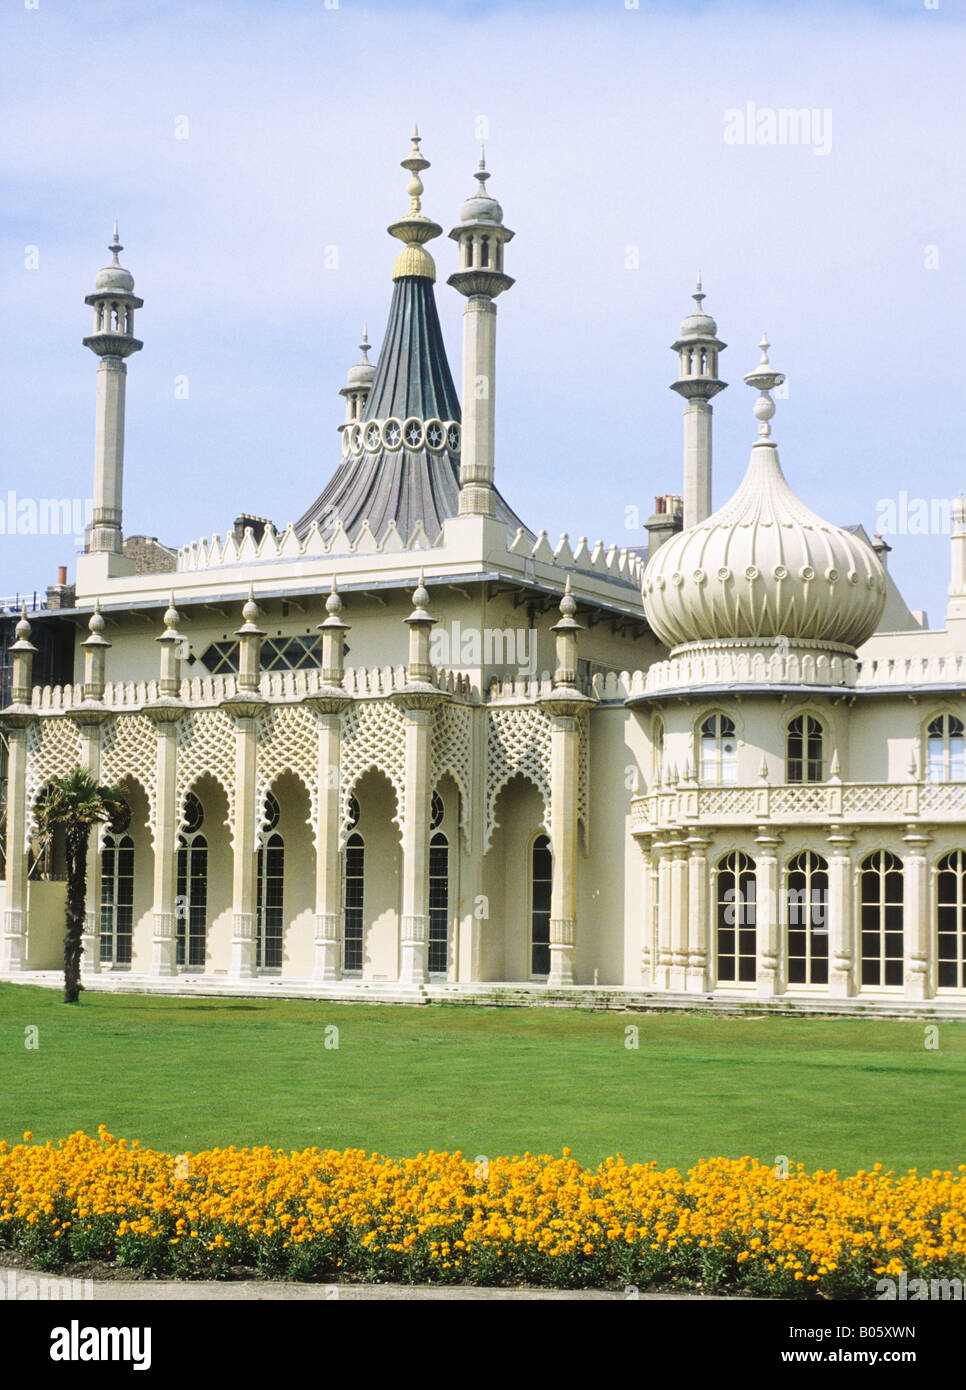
{"x": 412, "y": 382}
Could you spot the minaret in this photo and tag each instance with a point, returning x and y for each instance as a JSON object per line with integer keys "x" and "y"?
{"x": 358, "y": 384}
{"x": 697, "y": 348}
{"x": 957, "y": 578}
{"x": 481, "y": 236}
{"x": 113, "y": 339}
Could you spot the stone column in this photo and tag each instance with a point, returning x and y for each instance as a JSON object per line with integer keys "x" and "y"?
{"x": 768, "y": 918}
{"x": 699, "y": 908}
{"x": 417, "y": 700}
{"x": 14, "y": 952}
{"x": 89, "y": 723}
{"x": 243, "y": 708}
{"x": 165, "y": 718}
{"x": 916, "y": 917}
{"x": 414, "y": 937}
{"x": 474, "y": 913}
{"x": 679, "y": 915}
{"x": 328, "y": 706}
{"x": 17, "y": 719}
{"x": 663, "y": 963}
{"x": 842, "y": 965}
{"x": 89, "y": 717}
{"x": 563, "y": 842}
{"x": 328, "y": 865}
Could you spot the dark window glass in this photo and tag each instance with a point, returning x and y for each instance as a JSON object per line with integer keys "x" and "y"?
{"x": 541, "y": 884}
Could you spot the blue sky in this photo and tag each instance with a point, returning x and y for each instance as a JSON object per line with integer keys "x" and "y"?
{"x": 606, "y": 136}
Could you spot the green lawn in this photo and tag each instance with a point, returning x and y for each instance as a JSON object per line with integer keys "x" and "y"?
{"x": 193, "y": 1073}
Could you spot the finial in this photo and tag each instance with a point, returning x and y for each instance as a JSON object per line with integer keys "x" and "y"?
{"x": 23, "y": 626}
{"x": 421, "y": 595}
{"x": 364, "y": 345}
{"x": 96, "y": 623}
{"x": 699, "y": 293}
{"x": 171, "y": 614}
{"x": 115, "y": 245}
{"x": 764, "y": 379}
{"x": 333, "y": 604}
{"x": 250, "y": 610}
{"x": 415, "y": 162}
{"x": 482, "y": 173}
{"x": 568, "y": 604}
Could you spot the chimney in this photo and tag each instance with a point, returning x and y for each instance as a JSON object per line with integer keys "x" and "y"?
{"x": 668, "y": 519}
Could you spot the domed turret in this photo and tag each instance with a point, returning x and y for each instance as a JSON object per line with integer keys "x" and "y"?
{"x": 358, "y": 384}
{"x": 764, "y": 566}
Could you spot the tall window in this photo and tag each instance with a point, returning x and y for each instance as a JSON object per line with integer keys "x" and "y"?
{"x": 719, "y": 750}
{"x": 541, "y": 884}
{"x": 270, "y": 871}
{"x": 946, "y": 749}
{"x": 192, "y": 916}
{"x": 804, "y": 749}
{"x": 951, "y": 921}
{"x": 657, "y": 740}
{"x": 806, "y": 897}
{"x": 881, "y": 918}
{"x": 736, "y": 919}
{"x": 438, "y": 905}
{"x": 355, "y": 864}
{"x": 117, "y": 899}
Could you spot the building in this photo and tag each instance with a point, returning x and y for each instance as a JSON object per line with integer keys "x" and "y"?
{"x": 407, "y": 747}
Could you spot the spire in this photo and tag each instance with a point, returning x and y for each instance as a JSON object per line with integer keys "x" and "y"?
{"x": 764, "y": 379}
{"x": 402, "y": 440}
{"x": 697, "y": 347}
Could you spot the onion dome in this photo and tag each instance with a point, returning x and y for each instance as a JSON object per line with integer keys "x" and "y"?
{"x": 114, "y": 276}
{"x": 764, "y": 566}
{"x": 361, "y": 375}
{"x": 479, "y": 206}
{"x": 699, "y": 323}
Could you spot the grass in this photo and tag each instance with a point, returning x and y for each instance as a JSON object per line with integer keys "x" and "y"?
{"x": 197, "y": 1073}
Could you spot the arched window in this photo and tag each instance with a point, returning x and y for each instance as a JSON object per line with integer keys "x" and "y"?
{"x": 719, "y": 751}
{"x": 438, "y": 905}
{"x": 117, "y": 899}
{"x": 946, "y": 749}
{"x": 737, "y": 947}
{"x": 192, "y": 914}
{"x": 541, "y": 884}
{"x": 352, "y": 888}
{"x": 881, "y": 919}
{"x": 806, "y": 898}
{"x": 951, "y": 921}
{"x": 805, "y": 752}
{"x": 485, "y": 251}
{"x": 657, "y": 743}
{"x": 270, "y": 870}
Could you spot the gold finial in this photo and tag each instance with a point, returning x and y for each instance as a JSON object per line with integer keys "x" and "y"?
{"x": 415, "y": 228}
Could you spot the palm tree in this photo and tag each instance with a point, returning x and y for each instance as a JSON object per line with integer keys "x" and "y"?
{"x": 76, "y": 803}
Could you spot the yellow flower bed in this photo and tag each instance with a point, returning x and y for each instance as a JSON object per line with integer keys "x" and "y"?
{"x": 320, "y": 1214}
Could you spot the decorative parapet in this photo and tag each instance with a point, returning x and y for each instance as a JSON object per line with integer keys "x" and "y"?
{"x": 817, "y": 804}
{"x": 615, "y": 563}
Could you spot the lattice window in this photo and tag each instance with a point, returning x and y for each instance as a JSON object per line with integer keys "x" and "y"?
{"x": 129, "y": 748}
{"x": 288, "y": 741}
{"x": 872, "y": 800}
{"x": 799, "y": 801}
{"x": 53, "y": 750}
{"x": 723, "y": 805}
{"x": 373, "y": 737}
{"x": 206, "y": 743}
{"x": 517, "y": 740}
{"x": 453, "y": 753}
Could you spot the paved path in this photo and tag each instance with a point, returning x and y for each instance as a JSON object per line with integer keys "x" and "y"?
{"x": 155, "y": 1290}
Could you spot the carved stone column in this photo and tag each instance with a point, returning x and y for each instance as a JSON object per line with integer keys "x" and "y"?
{"x": 699, "y": 911}
{"x": 17, "y": 719}
{"x": 244, "y": 708}
{"x": 664, "y": 961}
{"x": 165, "y": 715}
{"x": 679, "y": 915}
{"x": 767, "y": 916}
{"x": 417, "y": 700}
{"x": 328, "y": 706}
{"x": 841, "y": 937}
{"x": 917, "y": 923}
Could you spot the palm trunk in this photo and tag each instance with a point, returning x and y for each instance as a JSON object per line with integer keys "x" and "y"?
{"x": 77, "y": 838}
